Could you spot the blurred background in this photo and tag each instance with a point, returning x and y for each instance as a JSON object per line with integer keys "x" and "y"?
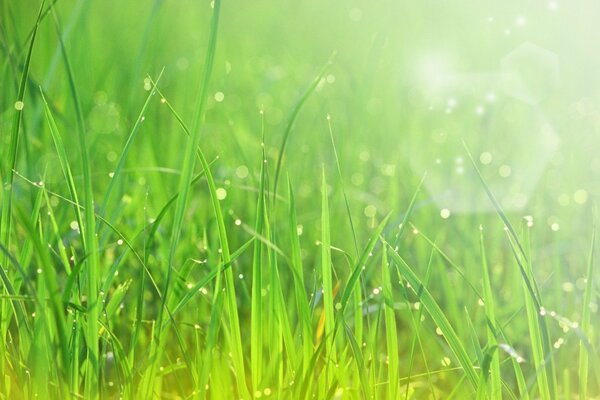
{"x": 516, "y": 82}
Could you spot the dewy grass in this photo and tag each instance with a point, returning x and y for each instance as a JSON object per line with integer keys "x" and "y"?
{"x": 149, "y": 249}
{"x": 7, "y": 171}
{"x": 90, "y": 240}
{"x": 585, "y": 321}
{"x": 493, "y": 382}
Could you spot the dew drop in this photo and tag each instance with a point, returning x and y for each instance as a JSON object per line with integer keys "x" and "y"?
{"x": 221, "y": 194}
{"x": 504, "y": 171}
{"x": 485, "y": 158}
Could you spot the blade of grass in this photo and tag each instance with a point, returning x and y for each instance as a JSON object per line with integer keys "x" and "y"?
{"x": 585, "y": 321}
{"x": 437, "y": 315}
{"x": 416, "y": 329}
{"x": 495, "y": 390}
{"x": 326, "y": 275}
{"x": 339, "y": 171}
{"x": 538, "y": 327}
{"x": 391, "y": 332}
{"x": 11, "y": 165}
{"x": 91, "y": 388}
{"x": 7, "y": 174}
{"x": 304, "y": 315}
{"x": 51, "y": 284}
{"x": 183, "y": 189}
{"x": 292, "y": 119}
{"x": 116, "y": 174}
{"x": 256, "y": 316}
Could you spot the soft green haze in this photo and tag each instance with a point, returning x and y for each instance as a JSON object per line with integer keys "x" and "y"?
{"x": 299, "y": 199}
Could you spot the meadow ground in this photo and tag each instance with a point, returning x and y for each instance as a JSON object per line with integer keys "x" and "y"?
{"x": 299, "y": 199}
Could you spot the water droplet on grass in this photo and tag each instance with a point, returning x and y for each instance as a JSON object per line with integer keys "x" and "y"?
{"x": 504, "y": 171}
{"x": 567, "y": 287}
{"x": 241, "y": 172}
{"x": 221, "y": 194}
{"x": 511, "y": 352}
{"x": 370, "y": 211}
{"x": 485, "y": 158}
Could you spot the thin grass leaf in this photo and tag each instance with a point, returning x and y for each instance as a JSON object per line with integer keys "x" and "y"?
{"x": 538, "y": 328}
{"x": 391, "y": 332}
{"x": 11, "y": 165}
{"x": 304, "y": 314}
{"x": 256, "y": 316}
{"x": 585, "y": 321}
{"x": 438, "y": 317}
{"x": 292, "y": 118}
{"x": 88, "y": 231}
{"x": 495, "y": 389}
{"x": 326, "y": 274}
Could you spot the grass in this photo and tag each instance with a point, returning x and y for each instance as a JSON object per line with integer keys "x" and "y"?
{"x": 195, "y": 205}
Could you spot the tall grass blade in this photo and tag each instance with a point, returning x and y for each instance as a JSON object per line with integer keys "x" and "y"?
{"x": 585, "y": 321}
{"x": 495, "y": 388}
{"x": 438, "y": 317}
{"x": 538, "y": 329}
{"x": 391, "y": 332}
{"x": 326, "y": 276}
{"x": 88, "y": 232}
{"x": 292, "y": 119}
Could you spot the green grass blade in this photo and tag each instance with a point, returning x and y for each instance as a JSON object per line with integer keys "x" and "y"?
{"x": 256, "y": 316}
{"x": 495, "y": 389}
{"x": 304, "y": 315}
{"x": 339, "y": 172}
{"x": 292, "y": 119}
{"x": 88, "y": 231}
{"x": 538, "y": 328}
{"x": 116, "y": 174}
{"x": 11, "y": 165}
{"x": 585, "y": 321}
{"x": 438, "y": 317}
{"x": 326, "y": 275}
{"x": 391, "y": 332}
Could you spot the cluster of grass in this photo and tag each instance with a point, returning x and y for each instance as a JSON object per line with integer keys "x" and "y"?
{"x": 248, "y": 235}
